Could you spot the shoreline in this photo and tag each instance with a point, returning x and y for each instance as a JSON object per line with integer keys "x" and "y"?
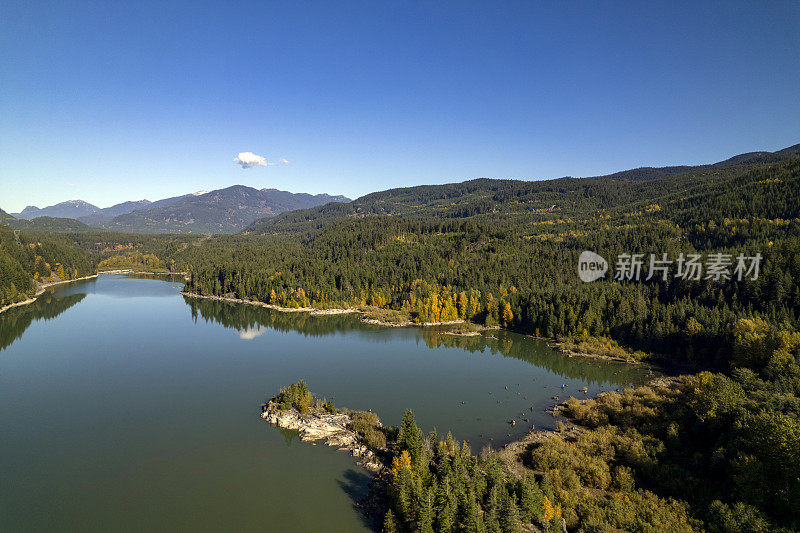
{"x": 552, "y": 343}
{"x": 311, "y": 310}
{"x": 133, "y": 271}
{"x": 41, "y": 288}
{"x": 332, "y": 311}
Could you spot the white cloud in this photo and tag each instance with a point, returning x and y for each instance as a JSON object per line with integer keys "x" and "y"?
{"x": 249, "y": 159}
{"x": 251, "y": 333}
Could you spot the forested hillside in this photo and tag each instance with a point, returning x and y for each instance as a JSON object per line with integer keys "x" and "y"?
{"x": 515, "y": 202}
{"x": 27, "y": 259}
{"x": 51, "y": 224}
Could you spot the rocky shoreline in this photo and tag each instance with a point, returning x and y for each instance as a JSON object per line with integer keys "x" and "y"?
{"x": 332, "y": 429}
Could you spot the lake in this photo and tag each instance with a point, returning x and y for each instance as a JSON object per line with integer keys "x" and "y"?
{"x": 127, "y": 406}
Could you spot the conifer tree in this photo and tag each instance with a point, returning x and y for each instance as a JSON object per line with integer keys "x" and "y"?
{"x": 410, "y": 436}
{"x": 390, "y": 523}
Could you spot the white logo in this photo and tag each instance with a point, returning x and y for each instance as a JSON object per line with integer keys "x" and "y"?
{"x": 591, "y": 266}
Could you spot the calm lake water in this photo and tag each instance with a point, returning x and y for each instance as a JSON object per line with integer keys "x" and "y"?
{"x": 125, "y": 406}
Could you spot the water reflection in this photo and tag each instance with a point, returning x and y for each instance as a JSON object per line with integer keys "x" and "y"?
{"x": 14, "y": 322}
{"x": 247, "y": 319}
{"x": 252, "y": 321}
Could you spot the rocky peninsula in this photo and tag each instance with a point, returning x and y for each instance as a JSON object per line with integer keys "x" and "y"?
{"x": 357, "y": 432}
{"x": 319, "y": 425}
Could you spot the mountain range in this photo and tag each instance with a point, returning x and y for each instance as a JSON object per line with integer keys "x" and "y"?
{"x": 226, "y": 210}
{"x": 240, "y": 208}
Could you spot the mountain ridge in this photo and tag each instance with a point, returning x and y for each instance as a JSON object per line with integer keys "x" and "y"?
{"x": 227, "y": 210}
{"x": 67, "y": 209}
{"x": 486, "y": 195}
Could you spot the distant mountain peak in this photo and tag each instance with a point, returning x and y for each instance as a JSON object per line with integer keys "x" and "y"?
{"x": 200, "y": 193}
{"x": 68, "y": 209}
{"x": 75, "y": 202}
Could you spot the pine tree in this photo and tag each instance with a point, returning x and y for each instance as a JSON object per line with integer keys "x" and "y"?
{"x": 491, "y": 518}
{"x": 445, "y": 508}
{"x": 425, "y": 519}
{"x": 509, "y": 514}
{"x": 390, "y": 523}
{"x": 473, "y": 521}
{"x": 410, "y": 436}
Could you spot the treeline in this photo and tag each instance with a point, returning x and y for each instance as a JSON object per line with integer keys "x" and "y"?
{"x": 439, "y": 485}
{"x": 134, "y": 260}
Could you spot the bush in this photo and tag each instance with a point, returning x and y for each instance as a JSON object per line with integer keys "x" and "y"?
{"x": 723, "y": 518}
{"x": 368, "y": 425}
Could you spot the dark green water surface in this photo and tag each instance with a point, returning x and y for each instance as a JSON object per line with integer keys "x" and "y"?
{"x": 125, "y": 406}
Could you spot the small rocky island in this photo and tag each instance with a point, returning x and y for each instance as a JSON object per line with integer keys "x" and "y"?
{"x": 359, "y": 432}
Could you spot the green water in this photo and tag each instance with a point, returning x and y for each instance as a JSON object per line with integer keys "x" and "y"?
{"x": 125, "y": 406}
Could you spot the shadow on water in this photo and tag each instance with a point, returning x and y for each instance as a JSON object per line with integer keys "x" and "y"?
{"x": 250, "y": 321}
{"x": 14, "y": 322}
{"x": 288, "y": 435}
{"x": 357, "y": 484}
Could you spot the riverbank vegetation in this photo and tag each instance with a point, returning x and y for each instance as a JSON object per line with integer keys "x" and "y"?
{"x": 723, "y": 450}
{"x": 433, "y": 483}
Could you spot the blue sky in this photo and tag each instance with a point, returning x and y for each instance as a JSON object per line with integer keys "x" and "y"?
{"x": 110, "y": 101}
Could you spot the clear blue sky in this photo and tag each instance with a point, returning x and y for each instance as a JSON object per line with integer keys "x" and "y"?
{"x": 109, "y": 102}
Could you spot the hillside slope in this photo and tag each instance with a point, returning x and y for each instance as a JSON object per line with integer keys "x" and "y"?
{"x": 520, "y": 202}
{"x": 106, "y": 214}
{"x": 50, "y": 224}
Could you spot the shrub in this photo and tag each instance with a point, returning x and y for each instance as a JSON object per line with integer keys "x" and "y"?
{"x": 367, "y": 424}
